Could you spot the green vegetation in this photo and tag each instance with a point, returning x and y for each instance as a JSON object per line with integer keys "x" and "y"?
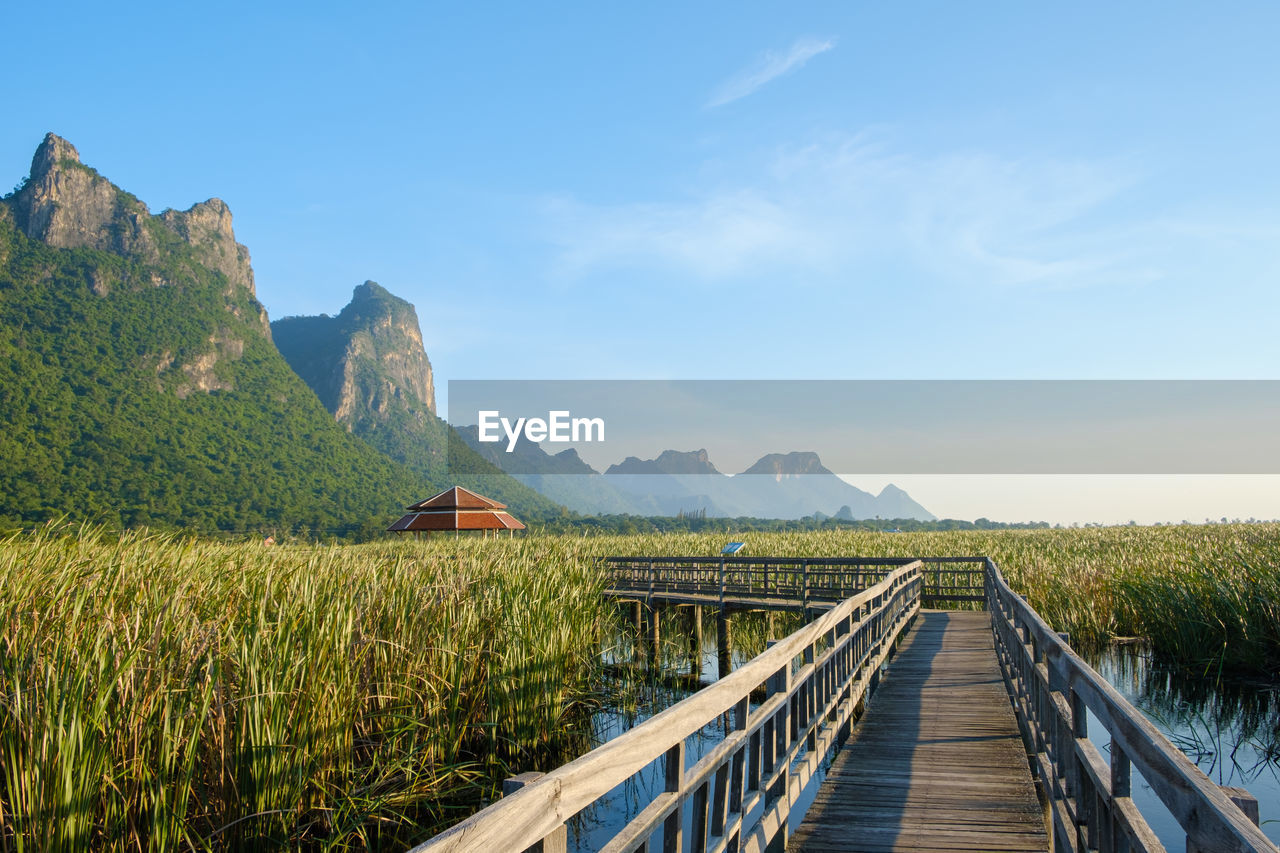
{"x": 100, "y": 419}
{"x": 164, "y": 693}
{"x": 698, "y": 522}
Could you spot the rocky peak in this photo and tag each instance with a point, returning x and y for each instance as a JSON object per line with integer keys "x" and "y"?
{"x": 692, "y": 462}
{"x": 672, "y": 462}
{"x": 372, "y": 295}
{"x": 782, "y": 465}
{"x": 385, "y": 332}
{"x": 68, "y": 205}
{"x": 206, "y": 228}
{"x": 52, "y": 151}
{"x": 368, "y": 364}
{"x": 571, "y": 463}
{"x": 373, "y": 308}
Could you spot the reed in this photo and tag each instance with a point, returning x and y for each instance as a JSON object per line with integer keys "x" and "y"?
{"x": 163, "y": 693}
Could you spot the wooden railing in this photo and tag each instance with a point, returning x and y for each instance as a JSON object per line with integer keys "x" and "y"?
{"x": 738, "y": 795}
{"x": 1053, "y": 692}
{"x": 803, "y": 581}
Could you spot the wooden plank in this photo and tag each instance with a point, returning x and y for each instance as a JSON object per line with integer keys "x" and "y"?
{"x": 937, "y": 762}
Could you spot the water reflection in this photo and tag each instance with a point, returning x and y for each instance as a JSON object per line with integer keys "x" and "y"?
{"x": 644, "y": 680}
{"x": 1229, "y": 728}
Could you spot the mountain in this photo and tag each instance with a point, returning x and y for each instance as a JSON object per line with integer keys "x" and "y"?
{"x": 369, "y": 367}
{"x": 67, "y": 205}
{"x": 367, "y": 363}
{"x": 138, "y": 381}
{"x": 564, "y": 477}
{"x": 781, "y": 466}
{"x": 670, "y": 462}
{"x": 793, "y": 481}
{"x": 795, "y": 485}
{"x": 895, "y": 503}
{"x": 791, "y": 485}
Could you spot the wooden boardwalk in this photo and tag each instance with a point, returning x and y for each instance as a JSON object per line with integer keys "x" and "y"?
{"x": 937, "y": 762}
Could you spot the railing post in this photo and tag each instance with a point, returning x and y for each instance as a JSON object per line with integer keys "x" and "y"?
{"x": 809, "y": 701}
{"x": 738, "y": 776}
{"x": 724, "y": 660}
{"x": 804, "y": 588}
{"x": 673, "y": 827}
{"x": 769, "y": 741}
{"x": 844, "y": 674}
{"x": 1244, "y": 801}
{"x": 785, "y": 736}
{"x": 1075, "y": 769}
{"x": 558, "y": 840}
{"x": 655, "y": 637}
{"x": 1111, "y": 834}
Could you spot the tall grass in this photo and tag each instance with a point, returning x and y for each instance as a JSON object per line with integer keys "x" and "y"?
{"x": 163, "y": 693}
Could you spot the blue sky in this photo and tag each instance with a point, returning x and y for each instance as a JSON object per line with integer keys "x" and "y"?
{"x": 718, "y": 190}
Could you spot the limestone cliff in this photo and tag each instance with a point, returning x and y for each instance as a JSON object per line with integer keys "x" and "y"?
{"x": 67, "y": 205}
{"x": 206, "y": 228}
{"x": 367, "y": 365}
{"x": 781, "y": 466}
{"x": 140, "y": 386}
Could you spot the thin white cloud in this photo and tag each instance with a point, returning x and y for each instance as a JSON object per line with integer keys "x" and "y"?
{"x": 844, "y": 204}
{"x": 769, "y": 67}
{"x": 718, "y": 237}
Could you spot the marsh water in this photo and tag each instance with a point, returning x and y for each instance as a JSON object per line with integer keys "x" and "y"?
{"x": 645, "y": 683}
{"x": 1229, "y": 728}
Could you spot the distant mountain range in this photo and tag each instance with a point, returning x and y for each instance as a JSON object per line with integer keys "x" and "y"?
{"x": 790, "y": 485}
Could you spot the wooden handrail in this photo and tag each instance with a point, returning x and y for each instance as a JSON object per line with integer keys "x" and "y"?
{"x": 757, "y": 581}
{"x": 1051, "y": 688}
{"x": 806, "y": 710}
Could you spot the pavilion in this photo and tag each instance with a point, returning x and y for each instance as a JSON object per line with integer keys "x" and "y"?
{"x": 457, "y": 509}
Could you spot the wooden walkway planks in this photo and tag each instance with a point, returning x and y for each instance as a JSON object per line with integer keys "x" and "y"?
{"x": 936, "y": 763}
